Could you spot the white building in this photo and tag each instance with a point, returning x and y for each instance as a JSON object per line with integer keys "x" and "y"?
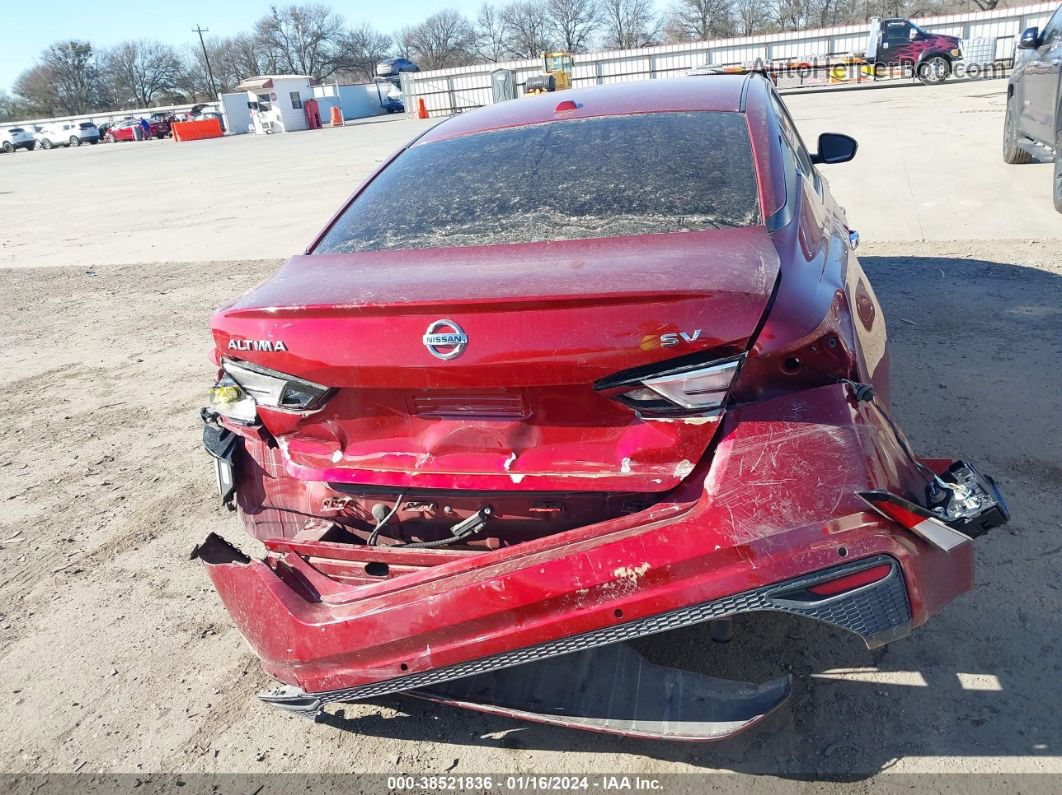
{"x": 278, "y": 102}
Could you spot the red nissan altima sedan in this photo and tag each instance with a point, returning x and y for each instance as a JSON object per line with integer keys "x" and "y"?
{"x": 565, "y": 372}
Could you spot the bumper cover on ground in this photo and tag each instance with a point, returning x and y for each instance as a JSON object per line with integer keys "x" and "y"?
{"x": 592, "y": 681}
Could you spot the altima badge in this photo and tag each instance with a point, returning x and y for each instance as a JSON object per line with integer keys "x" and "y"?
{"x": 444, "y": 339}
{"x": 276, "y": 346}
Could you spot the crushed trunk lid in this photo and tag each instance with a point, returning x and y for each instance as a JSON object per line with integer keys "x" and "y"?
{"x": 514, "y": 407}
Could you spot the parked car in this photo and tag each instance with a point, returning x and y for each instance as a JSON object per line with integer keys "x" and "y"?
{"x": 1032, "y": 130}
{"x": 393, "y": 66}
{"x": 67, "y": 133}
{"x": 499, "y": 422}
{"x": 123, "y": 130}
{"x": 16, "y": 138}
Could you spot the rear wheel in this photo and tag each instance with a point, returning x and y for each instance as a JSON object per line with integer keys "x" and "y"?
{"x": 75, "y": 141}
{"x": 934, "y": 70}
{"x": 109, "y": 138}
{"x": 1012, "y": 153}
{"x": 46, "y": 143}
{"x": 7, "y": 147}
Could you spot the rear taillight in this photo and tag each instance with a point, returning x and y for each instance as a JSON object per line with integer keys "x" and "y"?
{"x": 700, "y": 388}
{"x": 245, "y": 386}
{"x": 915, "y": 518}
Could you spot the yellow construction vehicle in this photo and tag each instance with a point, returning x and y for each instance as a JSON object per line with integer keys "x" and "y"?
{"x": 557, "y": 68}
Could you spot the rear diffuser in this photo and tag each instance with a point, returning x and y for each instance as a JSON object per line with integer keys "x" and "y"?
{"x": 614, "y": 689}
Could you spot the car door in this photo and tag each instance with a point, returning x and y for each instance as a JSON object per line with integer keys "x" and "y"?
{"x": 895, "y": 38}
{"x": 1040, "y": 83}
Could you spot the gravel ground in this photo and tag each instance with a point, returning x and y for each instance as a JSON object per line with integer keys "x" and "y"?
{"x": 117, "y": 656}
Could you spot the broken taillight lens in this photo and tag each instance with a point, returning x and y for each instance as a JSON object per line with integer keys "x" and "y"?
{"x": 692, "y": 389}
{"x": 245, "y": 386}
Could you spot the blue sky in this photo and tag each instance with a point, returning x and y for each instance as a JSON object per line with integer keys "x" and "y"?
{"x": 26, "y": 27}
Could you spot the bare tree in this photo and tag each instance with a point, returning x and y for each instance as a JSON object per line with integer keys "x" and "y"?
{"x": 249, "y": 57}
{"x": 572, "y": 22}
{"x": 73, "y": 69}
{"x": 492, "y": 34}
{"x": 750, "y": 16}
{"x": 528, "y": 31}
{"x": 444, "y": 39}
{"x": 360, "y": 49}
{"x": 194, "y": 79}
{"x": 627, "y": 24}
{"x": 11, "y": 108}
{"x": 302, "y": 39}
{"x": 792, "y": 14}
{"x": 698, "y": 20}
{"x": 34, "y": 87}
{"x": 65, "y": 80}
{"x": 401, "y": 42}
{"x": 140, "y": 71}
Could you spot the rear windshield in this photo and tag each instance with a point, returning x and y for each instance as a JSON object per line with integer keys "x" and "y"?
{"x": 16, "y": 130}
{"x": 564, "y": 180}
{"x": 86, "y": 125}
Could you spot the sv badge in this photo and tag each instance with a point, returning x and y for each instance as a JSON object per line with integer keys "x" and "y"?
{"x": 668, "y": 340}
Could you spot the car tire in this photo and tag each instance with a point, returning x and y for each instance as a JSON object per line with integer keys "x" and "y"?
{"x": 108, "y": 138}
{"x": 1058, "y": 169}
{"x": 1012, "y": 153}
{"x": 46, "y": 143}
{"x": 7, "y": 147}
{"x": 934, "y": 70}
{"x": 75, "y": 141}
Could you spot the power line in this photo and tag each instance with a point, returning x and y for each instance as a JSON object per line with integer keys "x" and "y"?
{"x": 210, "y": 72}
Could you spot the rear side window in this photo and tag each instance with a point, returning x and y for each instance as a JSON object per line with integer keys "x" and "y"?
{"x": 564, "y": 180}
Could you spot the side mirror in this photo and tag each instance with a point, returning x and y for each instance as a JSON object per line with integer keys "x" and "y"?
{"x": 1030, "y": 39}
{"x": 835, "y": 148}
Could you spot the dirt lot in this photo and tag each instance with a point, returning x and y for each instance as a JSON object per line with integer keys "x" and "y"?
{"x": 117, "y": 655}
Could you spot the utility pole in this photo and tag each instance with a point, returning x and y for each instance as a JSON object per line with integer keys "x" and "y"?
{"x": 210, "y": 72}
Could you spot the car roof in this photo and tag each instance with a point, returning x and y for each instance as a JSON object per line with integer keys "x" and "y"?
{"x": 712, "y": 93}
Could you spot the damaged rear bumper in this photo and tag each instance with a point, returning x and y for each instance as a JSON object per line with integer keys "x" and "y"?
{"x": 775, "y": 524}
{"x": 594, "y": 681}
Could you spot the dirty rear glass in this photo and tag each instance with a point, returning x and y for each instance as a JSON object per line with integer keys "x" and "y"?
{"x": 564, "y": 180}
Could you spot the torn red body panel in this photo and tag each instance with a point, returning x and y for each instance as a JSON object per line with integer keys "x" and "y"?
{"x": 478, "y": 466}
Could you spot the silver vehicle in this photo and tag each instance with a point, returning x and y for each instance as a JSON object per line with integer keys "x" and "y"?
{"x": 67, "y": 133}
{"x": 16, "y": 138}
